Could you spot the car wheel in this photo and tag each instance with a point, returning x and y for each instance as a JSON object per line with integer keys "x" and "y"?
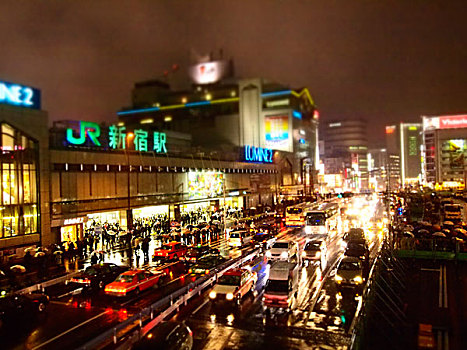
{"x": 41, "y": 307}
{"x": 175, "y": 257}
{"x": 252, "y": 289}
{"x": 101, "y": 284}
{"x": 137, "y": 291}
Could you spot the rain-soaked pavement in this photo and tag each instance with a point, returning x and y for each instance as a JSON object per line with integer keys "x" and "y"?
{"x": 320, "y": 315}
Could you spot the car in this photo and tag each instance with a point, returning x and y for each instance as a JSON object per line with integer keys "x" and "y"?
{"x": 134, "y": 281}
{"x": 283, "y": 251}
{"x": 358, "y": 249}
{"x": 170, "y": 251}
{"x": 170, "y": 335}
{"x": 239, "y": 238}
{"x": 233, "y": 285}
{"x": 314, "y": 250}
{"x": 354, "y": 234}
{"x": 263, "y": 240}
{"x": 96, "y": 276}
{"x": 349, "y": 272}
{"x": 14, "y": 307}
{"x": 194, "y": 253}
{"x": 206, "y": 264}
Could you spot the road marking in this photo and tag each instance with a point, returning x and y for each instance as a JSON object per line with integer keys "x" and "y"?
{"x": 433, "y": 270}
{"x": 201, "y": 306}
{"x": 68, "y": 331}
{"x": 445, "y": 287}
{"x": 440, "y": 288}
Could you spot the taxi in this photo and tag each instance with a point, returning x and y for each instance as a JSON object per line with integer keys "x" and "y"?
{"x": 134, "y": 281}
{"x": 170, "y": 251}
{"x": 234, "y": 285}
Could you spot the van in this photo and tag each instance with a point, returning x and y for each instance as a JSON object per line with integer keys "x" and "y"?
{"x": 239, "y": 238}
{"x": 284, "y": 251}
{"x": 282, "y": 285}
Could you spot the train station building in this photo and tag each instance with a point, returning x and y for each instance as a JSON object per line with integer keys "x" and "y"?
{"x": 55, "y": 181}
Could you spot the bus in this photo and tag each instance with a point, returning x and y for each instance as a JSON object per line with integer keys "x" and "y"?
{"x": 323, "y": 219}
{"x": 295, "y": 214}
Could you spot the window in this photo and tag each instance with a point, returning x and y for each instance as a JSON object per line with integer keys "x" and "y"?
{"x": 19, "y": 214}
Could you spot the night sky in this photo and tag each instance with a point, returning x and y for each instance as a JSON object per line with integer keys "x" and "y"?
{"x": 385, "y": 61}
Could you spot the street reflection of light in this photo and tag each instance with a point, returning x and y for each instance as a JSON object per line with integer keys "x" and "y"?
{"x": 149, "y": 335}
{"x": 338, "y": 296}
{"x": 230, "y": 319}
{"x": 319, "y": 274}
{"x": 213, "y": 318}
{"x": 171, "y": 274}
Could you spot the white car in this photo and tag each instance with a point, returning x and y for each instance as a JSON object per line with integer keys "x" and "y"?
{"x": 283, "y": 251}
{"x": 233, "y": 285}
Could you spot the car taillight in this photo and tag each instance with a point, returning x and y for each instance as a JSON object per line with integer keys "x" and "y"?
{"x": 207, "y": 272}
{"x": 190, "y": 270}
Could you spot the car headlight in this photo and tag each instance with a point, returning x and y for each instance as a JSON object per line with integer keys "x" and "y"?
{"x": 304, "y": 254}
{"x": 268, "y": 254}
{"x": 338, "y": 278}
{"x": 229, "y": 296}
{"x": 213, "y": 295}
{"x": 358, "y": 279}
{"x": 308, "y": 229}
{"x": 284, "y": 255}
{"x": 318, "y": 254}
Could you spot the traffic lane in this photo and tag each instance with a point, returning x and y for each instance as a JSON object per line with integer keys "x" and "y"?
{"x": 94, "y": 319}
{"x": 54, "y": 326}
{"x": 335, "y": 306}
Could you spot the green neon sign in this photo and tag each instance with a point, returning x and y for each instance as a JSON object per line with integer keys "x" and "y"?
{"x": 86, "y": 129}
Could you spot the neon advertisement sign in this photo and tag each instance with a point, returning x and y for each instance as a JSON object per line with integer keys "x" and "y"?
{"x": 258, "y": 155}
{"x": 19, "y": 95}
{"x": 117, "y": 138}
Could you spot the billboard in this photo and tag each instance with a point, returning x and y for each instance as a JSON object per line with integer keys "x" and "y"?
{"x": 277, "y": 132}
{"x": 209, "y": 72}
{"x": 205, "y": 184}
{"x": 456, "y": 151}
{"x": 445, "y": 122}
{"x": 19, "y": 95}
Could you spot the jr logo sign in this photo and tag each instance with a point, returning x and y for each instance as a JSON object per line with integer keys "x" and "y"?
{"x": 87, "y": 129}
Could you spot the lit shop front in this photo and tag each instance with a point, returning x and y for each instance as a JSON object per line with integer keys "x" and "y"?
{"x": 72, "y": 229}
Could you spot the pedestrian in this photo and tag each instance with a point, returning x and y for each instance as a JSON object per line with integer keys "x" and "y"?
{"x": 145, "y": 248}
{"x": 94, "y": 258}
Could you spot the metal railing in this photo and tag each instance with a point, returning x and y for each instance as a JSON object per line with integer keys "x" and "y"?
{"x": 431, "y": 248}
{"x": 152, "y": 315}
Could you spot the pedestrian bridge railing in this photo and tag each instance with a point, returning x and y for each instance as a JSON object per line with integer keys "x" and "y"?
{"x": 431, "y": 248}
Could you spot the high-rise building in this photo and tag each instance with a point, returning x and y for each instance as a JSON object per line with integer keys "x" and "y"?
{"x": 444, "y": 151}
{"x": 346, "y": 148}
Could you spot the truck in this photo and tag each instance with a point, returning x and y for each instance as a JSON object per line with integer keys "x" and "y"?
{"x": 282, "y": 285}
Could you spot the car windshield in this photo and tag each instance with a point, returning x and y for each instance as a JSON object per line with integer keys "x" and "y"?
{"x": 355, "y": 246}
{"x": 348, "y": 266}
{"x": 315, "y": 219}
{"x": 294, "y": 210}
{"x": 166, "y": 247}
{"x": 278, "y": 286}
{"x": 229, "y": 280}
{"x": 281, "y": 245}
{"x": 450, "y": 207}
{"x": 313, "y": 246}
{"x": 235, "y": 235}
{"x": 194, "y": 251}
{"x": 91, "y": 270}
{"x": 124, "y": 278}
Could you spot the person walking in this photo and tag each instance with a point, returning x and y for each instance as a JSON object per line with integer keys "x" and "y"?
{"x": 145, "y": 248}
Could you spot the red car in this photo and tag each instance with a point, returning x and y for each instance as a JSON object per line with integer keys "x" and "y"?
{"x": 134, "y": 281}
{"x": 170, "y": 251}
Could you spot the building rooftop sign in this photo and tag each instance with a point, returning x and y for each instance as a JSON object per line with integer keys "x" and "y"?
{"x": 116, "y": 138}
{"x": 19, "y": 95}
{"x": 445, "y": 122}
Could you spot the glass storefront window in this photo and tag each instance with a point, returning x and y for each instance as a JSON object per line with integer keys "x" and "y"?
{"x": 18, "y": 173}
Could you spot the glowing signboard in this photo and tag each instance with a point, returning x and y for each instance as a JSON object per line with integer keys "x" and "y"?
{"x": 19, "y": 95}
{"x": 117, "y": 138}
{"x": 205, "y": 184}
{"x": 209, "y": 72}
{"x": 277, "y": 132}
{"x": 445, "y": 122}
{"x": 258, "y": 154}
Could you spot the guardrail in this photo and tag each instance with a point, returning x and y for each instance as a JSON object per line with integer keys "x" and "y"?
{"x": 45, "y": 284}
{"x": 431, "y": 248}
{"x": 153, "y": 314}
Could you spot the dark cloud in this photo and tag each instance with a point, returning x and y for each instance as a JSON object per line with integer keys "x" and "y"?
{"x": 381, "y": 60}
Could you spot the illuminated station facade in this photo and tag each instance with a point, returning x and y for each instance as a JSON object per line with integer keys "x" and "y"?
{"x": 234, "y": 142}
